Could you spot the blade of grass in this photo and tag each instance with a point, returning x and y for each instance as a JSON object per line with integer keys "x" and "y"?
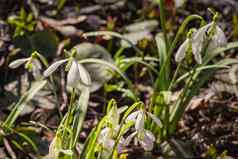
{"x": 210, "y": 55}
{"x": 161, "y": 47}
{"x": 36, "y": 86}
{"x": 80, "y": 114}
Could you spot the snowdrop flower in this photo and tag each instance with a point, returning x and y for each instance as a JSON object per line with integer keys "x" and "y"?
{"x": 77, "y": 74}
{"x": 109, "y": 133}
{"x": 144, "y": 137}
{"x": 211, "y": 32}
{"x": 186, "y": 48}
{"x": 31, "y": 63}
{"x": 114, "y": 116}
{"x": 210, "y": 36}
{"x": 55, "y": 149}
{"x": 107, "y": 141}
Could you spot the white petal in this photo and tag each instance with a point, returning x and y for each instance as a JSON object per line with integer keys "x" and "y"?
{"x": 36, "y": 63}
{"x": 132, "y": 116}
{"x": 84, "y": 75}
{"x": 108, "y": 144}
{"x": 198, "y": 42}
{"x": 140, "y": 121}
{"x": 114, "y": 116}
{"x": 197, "y": 57}
{"x": 104, "y": 135}
{"x": 221, "y": 37}
{"x": 218, "y": 39}
{"x": 105, "y": 138}
{"x": 18, "y": 62}
{"x": 67, "y": 152}
{"x": 181, "y": 53}
{"x": 129, "y": 138}
{"x": 122, "y": 109}
{"x": 121, "y": 145}
{"x": 155, "y": 119}
{"x": 148, "y": 141}
{"x": 53, "y": 67}
{"x": 36, "y": 73}
{"x": 73, "y": 77}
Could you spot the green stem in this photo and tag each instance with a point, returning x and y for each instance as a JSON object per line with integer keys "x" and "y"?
{"x": 174, "y": 76}
{"x": 181, "y": 102}
{"x": 67, "y": 120}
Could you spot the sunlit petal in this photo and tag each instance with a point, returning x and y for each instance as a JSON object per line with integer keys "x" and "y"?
{"x": 18, "y": 62}
{"x": 36, "y": 73}
{"x": 181, "y": 53}
{"x": 198, "y": 42}
{"x": 218, "y": 40}
{"x": 140, "y": 121}
{"x": 114, "y": 116}
{"x": 84, "y": 75}
{"x": 36, "y": 63}
{"x": 129, "y": 138}
{"x": 53, "y": 67}
{"x": 148, "y": 141}
{"x": 132, "y": 116}
{"x": 73, "y": 77}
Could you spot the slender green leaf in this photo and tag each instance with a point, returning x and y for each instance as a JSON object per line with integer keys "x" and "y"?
{"x": 80, "y": 114}
{"x": 161, "y": 46}
{"x": 36, "y": 86}
{"x": 210, "y": 55}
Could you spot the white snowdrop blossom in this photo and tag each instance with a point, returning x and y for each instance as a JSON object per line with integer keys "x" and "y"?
{"x": 211, "y": 34}
{"x": 55, "y": 149}
{"x": 186, "y": 47}
{"x": 32, "y": 64}
{"x": 106, "y": 139}
{"x": 181, "y": 53}
{"x": 108, "y": 135}
{"x": 17, "y": 63}
{"x": 144, "y": 137}
{"x": 77, "y": 74}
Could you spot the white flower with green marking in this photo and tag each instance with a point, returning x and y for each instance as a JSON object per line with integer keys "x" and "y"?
{"x": 143, "y": 136}
{"x": 32, "y": 64}
{"x": 210, "y": 36}
{"x": 77, "y": 74}
{"x": 211, "y": 33}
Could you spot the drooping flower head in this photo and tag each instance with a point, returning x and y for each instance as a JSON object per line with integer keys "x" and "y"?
{"x": 77, "y": 74}
{"x": 32, "y": 64}
{"x": 207, "y": 38}
{"x": 143, "y": 136}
